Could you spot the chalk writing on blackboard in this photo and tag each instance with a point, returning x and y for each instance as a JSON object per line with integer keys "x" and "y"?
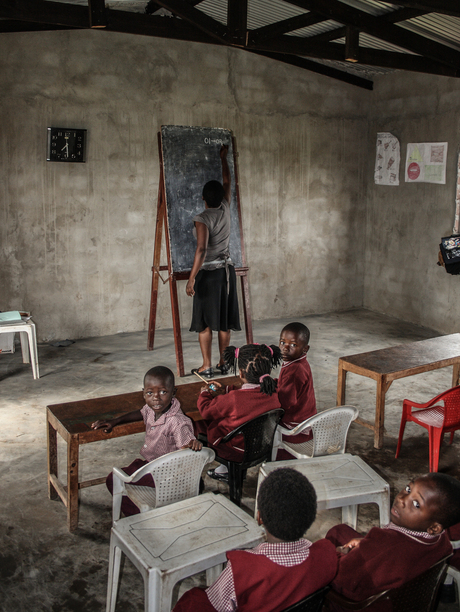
{"x": 191, "y": 159}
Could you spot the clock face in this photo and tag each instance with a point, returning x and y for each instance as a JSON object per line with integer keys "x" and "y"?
{"x": 66, "y": 145}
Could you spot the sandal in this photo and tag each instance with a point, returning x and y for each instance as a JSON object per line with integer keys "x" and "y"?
{"x": 223, "y": 368}
{"x": 217, "y": 476}
{"x": 209, "y": 373}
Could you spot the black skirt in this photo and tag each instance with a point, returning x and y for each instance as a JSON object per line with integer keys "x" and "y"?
{"x": 212, "y": 307}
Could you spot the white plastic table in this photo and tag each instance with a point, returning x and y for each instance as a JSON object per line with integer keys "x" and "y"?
{"x": 340, "y": 481}
{"x": 176, "y": 541}
{"x": 28, "y": 337}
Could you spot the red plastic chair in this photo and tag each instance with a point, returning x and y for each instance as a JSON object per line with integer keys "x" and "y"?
{"x": 438, "y": 419}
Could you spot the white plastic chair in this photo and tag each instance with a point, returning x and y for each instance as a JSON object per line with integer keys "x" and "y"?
{"x": 176, "y": 476}
{"x": 330, "y": 429}
{"x": 28, "y": 337}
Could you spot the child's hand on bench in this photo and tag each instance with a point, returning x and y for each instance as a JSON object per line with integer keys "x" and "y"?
{"x": 107, "y": 425}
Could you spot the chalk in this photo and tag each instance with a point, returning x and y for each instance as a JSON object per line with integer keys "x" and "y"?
{"x": 211, "y": 386}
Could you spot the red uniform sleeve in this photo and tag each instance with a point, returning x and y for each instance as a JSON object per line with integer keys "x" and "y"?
{"x": 212, "y": 408}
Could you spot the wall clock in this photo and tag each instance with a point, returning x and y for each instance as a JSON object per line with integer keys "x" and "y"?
{"x": 66, "y": 145}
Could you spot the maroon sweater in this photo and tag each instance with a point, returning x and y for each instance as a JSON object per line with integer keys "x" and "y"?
{"x": 384, "y": 559}
{"x": 296, "y": 395}
{"x": 265, "y": 586}
{"x": 224, "y": 413}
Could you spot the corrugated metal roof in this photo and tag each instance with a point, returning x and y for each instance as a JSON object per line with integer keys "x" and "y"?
{"x": 441, "y": 28}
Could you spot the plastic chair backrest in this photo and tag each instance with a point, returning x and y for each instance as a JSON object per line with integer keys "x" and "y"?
{"x": 258, "y": 436}
{"x": 311, "y": 603}
{"x": 330, "y": 429}
{"x": 176, "y": 475}
{"x": 416, "y": 595}
{"x": 452, "y": 406}
{"x": 419, "y": 594}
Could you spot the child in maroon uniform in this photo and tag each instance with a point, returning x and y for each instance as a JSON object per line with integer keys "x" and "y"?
{"x": 295, "y": 383}
{"x": 167, "y": 428}
{"x": 224, "y": 412}
{"x": 281, "y": 571}
{"x": 410, "y": 544}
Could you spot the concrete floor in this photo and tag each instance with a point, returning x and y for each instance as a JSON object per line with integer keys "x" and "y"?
{"x": 43, "y": 567}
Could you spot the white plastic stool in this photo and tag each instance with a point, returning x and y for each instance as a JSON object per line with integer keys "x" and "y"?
{"x": 28, "y": 336}
{"x": 173, "y": 542}
{"x": 340, "y": 481}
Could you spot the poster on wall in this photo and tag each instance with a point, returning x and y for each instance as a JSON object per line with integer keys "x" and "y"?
{"x": 387, "y": 159}
{"x": 426, "y": 162}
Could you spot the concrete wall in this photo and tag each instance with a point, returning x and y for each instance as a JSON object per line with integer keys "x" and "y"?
{"x": 77, "y": 239}
{"x": 405, "y": 223}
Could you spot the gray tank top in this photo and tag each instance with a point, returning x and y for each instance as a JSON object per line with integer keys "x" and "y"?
{"x": 217, "y": 220}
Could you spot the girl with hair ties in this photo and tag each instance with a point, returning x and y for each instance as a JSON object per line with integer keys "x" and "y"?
{"x": 224, "y": 410}
{"x": 212, "y": 281}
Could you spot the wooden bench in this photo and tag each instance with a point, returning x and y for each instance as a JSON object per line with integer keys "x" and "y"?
{"x": 72, "y": 420}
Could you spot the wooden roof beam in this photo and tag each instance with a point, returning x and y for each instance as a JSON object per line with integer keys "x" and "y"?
{"x": 349, "y": 16}
{"x": 444, "y": 7}
{"x": 287, "y": 25}
{"x": 45, "y": 12}
{"x": 237, "y": 22}
{"x": 197, "y": 18}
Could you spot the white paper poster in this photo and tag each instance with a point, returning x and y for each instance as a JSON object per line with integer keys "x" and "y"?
{"x": 426, "y": 162}
{"x": 387, "y": 159}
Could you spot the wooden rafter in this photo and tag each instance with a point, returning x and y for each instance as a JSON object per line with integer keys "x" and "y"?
{"x": 444, "y": 7}
{"x": 237, "y": 22}
{"x": 275, "y": 40}
{"x": 349, "y": 16}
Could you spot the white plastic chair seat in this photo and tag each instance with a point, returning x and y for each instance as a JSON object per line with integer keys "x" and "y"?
{"x": 145, "y": 498}
{"x": 304, "y": 448}
{"x": 176, "y": 476}
{"x": 28, "y": 335}
{"x": 433, "y": 417}
{"x": 329, "y": 427}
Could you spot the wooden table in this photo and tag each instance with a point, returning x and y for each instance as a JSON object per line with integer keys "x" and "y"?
{"x": 72, "y": 420}
{"x": 387, "y": 365}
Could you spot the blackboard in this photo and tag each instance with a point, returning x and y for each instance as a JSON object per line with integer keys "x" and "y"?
{"x": 191, "y": 159}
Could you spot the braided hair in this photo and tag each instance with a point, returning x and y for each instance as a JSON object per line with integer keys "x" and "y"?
{"x": 256, "y": 361}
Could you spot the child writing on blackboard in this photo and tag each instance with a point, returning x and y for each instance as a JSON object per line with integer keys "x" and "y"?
{"x": 212, "y": 281}
{"x": 167, "y": 429}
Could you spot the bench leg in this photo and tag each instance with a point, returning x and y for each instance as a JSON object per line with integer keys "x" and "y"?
{"x": 72, "y": 483}
{"x": 52, "y": 459}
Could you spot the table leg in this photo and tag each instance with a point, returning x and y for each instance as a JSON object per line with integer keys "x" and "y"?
{"x": 72, "y": 483}
{"x": 24, "y": 346}
{"x": 384, "y": 507}
{"x": 350, "y": 515}
{"x": 380, "y": 412}
{"x": 213, "y": 573}
{"x": 52, "y": 459}
{"x": 341, "y": 385}
{"x": 455, "y": 374}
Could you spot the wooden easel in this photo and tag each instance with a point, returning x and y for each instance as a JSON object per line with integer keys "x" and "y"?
{"x": 173, "y": 277}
